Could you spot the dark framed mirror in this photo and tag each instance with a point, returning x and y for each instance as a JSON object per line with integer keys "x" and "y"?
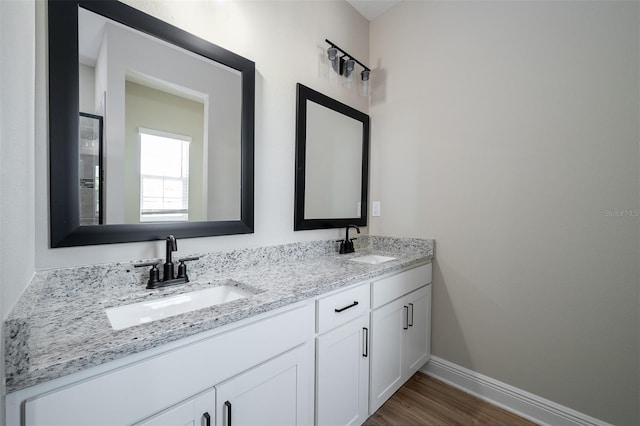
{"x": 136, "y": 89}
{"x": 332, "y": 163}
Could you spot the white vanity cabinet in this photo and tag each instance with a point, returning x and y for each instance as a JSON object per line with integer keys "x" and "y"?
{"x": 342, "y": 358}
{"x": 363, "y": 357}
{"x": 253, "y": 357}
{"x": 400, "y": 331}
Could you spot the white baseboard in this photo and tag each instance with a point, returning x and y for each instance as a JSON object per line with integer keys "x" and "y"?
{"x": 517, "y": 401}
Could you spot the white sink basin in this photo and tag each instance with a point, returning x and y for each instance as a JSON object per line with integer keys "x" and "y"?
{"x": 372, "y": 259}
{"x": 126, "y": 316}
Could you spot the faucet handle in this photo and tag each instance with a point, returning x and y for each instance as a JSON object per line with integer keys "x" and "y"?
{"x": 152, "y": 263}
{"x": 154, "y": 272}
{"x": 182, "y": 268}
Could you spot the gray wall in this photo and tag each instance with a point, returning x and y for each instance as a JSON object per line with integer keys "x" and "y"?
{"x": 508, "y": 131}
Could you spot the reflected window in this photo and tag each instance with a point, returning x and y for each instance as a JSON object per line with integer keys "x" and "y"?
{"x": 164, "y": 176}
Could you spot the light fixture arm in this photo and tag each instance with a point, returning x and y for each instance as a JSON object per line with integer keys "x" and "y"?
{"x": 345, "y": 53}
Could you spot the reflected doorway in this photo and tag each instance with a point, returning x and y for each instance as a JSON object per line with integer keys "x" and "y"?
{"x": 90, "y": 169}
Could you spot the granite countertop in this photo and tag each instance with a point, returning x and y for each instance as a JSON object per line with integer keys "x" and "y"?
{"x": 59, "y": 326}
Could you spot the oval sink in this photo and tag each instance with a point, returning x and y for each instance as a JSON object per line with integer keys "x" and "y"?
{"x": 372, "y": 259}
{"x": 126, "y": 316}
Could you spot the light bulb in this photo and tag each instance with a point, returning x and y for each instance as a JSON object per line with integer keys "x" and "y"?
{"x": 348, "y": 73}
{"x": 332, "y": 54}
{"x": 365, "y": 84}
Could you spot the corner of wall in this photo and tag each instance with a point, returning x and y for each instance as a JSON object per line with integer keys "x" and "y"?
{"x": 17, "y": 168}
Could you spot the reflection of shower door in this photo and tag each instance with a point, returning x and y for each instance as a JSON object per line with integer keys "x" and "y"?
{"x": 90, "y": 170}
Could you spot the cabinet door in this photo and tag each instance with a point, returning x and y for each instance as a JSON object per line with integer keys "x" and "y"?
{"x": 388, "y": 324}
{"x": 417, "y": 336}
{"x": 273, "y": 393}
{"x": 342, "y": 378}
{"x": 196, "y": 411}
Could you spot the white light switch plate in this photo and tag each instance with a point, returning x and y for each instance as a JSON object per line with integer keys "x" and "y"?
{"x": 375, "y": 208}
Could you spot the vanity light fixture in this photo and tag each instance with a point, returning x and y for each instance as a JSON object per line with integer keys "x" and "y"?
{"x": 345, "y": 65}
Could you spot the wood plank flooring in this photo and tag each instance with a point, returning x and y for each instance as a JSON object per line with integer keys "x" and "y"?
{"x": 424, "y": 400}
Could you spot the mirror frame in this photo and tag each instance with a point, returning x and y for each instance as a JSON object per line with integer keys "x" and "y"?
{"x": 65, "y": 229}
{"x": 304, "y": 94}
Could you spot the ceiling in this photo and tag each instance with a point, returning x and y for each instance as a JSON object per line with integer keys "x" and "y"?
{"x": 370, "y": 9}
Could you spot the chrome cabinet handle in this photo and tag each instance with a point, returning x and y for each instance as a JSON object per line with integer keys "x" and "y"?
{"x": 207, "y": 419}
{"x": 406, "y": 318}
{"x": 365, "y": 335}
{"x": 355, "y": 303}
{"x": 228, "y": 406}
{"x": 411, "y": 322}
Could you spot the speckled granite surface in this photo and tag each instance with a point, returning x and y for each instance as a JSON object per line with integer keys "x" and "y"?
{"x": 59, "y": 326}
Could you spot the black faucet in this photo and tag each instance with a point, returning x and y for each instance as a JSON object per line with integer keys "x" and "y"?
{"x": 172, "y": 246}
{"x": 346, "y": 245}
{"x": 168, "y": 277}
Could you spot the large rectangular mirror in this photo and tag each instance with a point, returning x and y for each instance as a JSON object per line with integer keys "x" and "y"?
{"x": 332, "y": 163}
{"x": 177, "y": 134}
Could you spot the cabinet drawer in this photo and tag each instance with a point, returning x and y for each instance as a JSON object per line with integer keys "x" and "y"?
{"x": 339, "y": 308}
{"x": 387, "y": 289}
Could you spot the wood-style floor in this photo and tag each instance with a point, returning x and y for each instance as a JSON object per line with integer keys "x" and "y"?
{"x": 424, "y": 400}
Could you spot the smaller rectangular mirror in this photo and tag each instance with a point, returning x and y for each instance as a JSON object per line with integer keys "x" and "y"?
{"x": 332, "y": 163}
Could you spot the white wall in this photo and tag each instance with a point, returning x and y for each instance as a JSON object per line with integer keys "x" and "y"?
{"x": 17, "y": 247}
{"x": 509, "y": 132}
{"x": 285, "y": 39}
